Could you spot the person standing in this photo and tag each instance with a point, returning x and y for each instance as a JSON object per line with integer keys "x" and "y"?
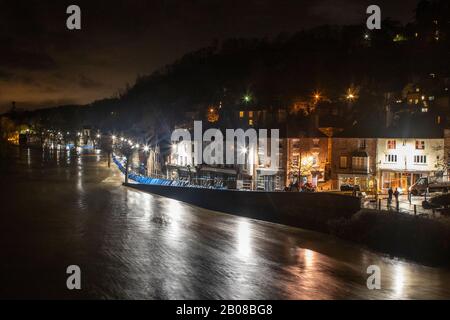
{"x": 390, "y": 193}
{"x": 396, "y": 194}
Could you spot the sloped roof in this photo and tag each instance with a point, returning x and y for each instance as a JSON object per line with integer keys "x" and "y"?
{"x": 425, "y": 130}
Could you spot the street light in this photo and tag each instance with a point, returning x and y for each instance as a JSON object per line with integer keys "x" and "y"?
{"x": 351, "y": 95}
{"x": 146, "y": 148}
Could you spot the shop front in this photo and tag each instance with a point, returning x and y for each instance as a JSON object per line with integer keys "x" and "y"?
{"x": 400, "y": 179}
{"x": 364, "y": 181}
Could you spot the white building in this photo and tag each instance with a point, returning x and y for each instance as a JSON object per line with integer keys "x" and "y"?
{"x": 401, "y": 161}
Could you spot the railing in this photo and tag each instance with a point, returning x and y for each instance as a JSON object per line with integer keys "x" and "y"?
{"x": 413, "y": 207}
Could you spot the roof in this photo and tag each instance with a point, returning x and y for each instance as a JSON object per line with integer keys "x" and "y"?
{"x": 410, "y": 129}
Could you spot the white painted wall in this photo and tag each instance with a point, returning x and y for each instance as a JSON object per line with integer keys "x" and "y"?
{"x": 406, "y": 150}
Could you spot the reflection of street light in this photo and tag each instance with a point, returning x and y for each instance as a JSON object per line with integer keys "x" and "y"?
{"x": 244, "y": 150}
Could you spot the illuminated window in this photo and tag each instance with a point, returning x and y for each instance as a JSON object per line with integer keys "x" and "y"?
{"x": 250, "y": 122}
{"x": 359, "y": 163}
{"x": 343, "y": 162}
{"x": 391, "y": 144}
{"x": 241, "y": 114}
{"x": 250, "y": 114}
{"x": 316, "y": 143}
{"x": 420, "y": 144}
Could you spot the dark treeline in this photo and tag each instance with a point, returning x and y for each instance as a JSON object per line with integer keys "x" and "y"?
{"x": 275, "y": 72}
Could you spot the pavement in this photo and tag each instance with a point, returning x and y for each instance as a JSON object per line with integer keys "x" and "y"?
{"x": 404, "y": 205}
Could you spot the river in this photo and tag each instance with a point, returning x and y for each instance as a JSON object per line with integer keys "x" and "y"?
{"x": 60, "y": 210}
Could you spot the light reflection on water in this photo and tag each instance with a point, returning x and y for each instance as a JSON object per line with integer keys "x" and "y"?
{"x": 130, "y": 244}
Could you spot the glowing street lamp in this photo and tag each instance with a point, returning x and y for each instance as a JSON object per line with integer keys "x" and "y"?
{"x": 146, "y": 148}
{"x": 317, "y": 96}
{"x": 247, "y": 98}
{"x": 351, "y": 95}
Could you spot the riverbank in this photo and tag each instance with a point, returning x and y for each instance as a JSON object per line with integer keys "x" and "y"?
{"x": 398, "y": 234}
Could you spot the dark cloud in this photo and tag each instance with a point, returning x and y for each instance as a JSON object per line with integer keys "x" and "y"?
{"x": 88, "y": 83}
{"x": 42, "y": 62}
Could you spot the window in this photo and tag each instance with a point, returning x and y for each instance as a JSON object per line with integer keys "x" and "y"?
{"x": 250, "y": 114}
{"x": 420, "y": 145}
{"x": 391, "y": 144}
{"x": 343, "y": 162}
{"x": 392, "y": 158}
{"x": 241, "y": 114}
{"x": 420, "y": 159}
{"x": 316, "y": 143}
{"x": 362, "y": 143}
{"x": 359, "y": 163}
{"x": 250, "y": 122}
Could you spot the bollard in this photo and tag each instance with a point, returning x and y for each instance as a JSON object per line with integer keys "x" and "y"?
{"x": 397, "y": 206}
{"x": 379, "y": 204}
{"x": 415, "y": 209}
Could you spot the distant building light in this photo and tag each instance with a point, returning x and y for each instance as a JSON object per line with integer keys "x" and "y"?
{"x": 431, "y": 98}
{"x": 241, "y": 114}
{"x": 424, "y": 109}
{"x": 417, "y": 89}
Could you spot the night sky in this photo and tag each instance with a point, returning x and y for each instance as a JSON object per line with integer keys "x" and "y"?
{"x": 44, "y": 64}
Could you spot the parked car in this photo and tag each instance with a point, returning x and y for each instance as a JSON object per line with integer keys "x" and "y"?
{"x": 432, "y": 184}
{"x": 349, "y": 187}
{"x": 439, "y": 203}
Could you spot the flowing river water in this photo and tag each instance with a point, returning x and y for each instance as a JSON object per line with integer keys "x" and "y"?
{"x": 59, "y": 209}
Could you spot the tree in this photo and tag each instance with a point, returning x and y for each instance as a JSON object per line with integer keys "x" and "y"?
{"x": 106, "y": 144}
{"x": 126, "y": 149}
